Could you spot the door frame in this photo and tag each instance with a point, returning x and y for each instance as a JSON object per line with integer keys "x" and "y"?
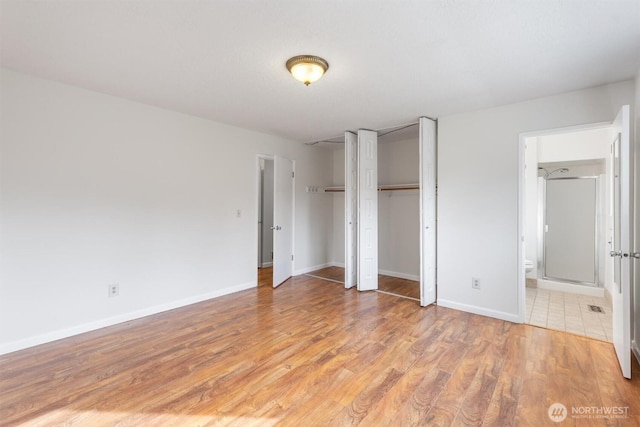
{"x": 260, "y": 206}
{"x": 257, "y": 208}
{"x": 521, "y": 252}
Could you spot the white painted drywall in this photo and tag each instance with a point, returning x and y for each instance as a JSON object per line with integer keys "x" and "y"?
{"x": 584, "y": 145}
{"x": 531, "y": 204}
{"x": 478, "y": 192}
{"x": 399, "y": 211}
{"x": 99, "y": 190}
{"x": 336, "y": 253}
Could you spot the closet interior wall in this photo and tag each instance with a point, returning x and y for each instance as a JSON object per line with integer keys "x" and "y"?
{"x": 398, "y": 210}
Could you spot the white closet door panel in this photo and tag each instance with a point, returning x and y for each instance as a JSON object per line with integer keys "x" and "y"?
{"x": 282, "y": 220}
{"x": 351, "y": 209}
{"x": 427, "y": 211}
{"x": 367, "y": 210}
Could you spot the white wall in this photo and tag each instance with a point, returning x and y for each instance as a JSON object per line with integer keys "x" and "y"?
{"x": 574, "y": 146}
{"x": 478, "y": 192}
{"x": 399, "y": 211}
{"x": 99, "y": 190}
{"x": 336, "y": 254}
{"x": 531, "y": 205}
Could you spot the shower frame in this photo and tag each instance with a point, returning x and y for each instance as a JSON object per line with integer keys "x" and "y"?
{"x": 542, "y": 249}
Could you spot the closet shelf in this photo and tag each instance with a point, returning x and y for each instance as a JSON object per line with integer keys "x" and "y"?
{"x": 391, "y": 187}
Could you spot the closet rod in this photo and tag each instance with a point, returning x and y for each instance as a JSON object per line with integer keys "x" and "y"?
{"x": 380, "y": 188}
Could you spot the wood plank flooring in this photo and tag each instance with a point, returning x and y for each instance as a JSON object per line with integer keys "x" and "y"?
{"x": 397, "y": 286}
{"x": 311, "y": 353}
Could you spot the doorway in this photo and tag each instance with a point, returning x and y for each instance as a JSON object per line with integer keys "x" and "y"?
{"x": 566, "y": 283}
{"x": 615, "y": 149}
{"x": 265, "y": 212}
{"x": 275, "y": 213}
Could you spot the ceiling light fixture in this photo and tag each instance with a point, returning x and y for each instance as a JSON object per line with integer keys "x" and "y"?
{"x": 307, "y": 68}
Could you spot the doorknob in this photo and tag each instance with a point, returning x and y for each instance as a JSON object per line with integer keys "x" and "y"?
{"x": 615, "y": 254}
{"x": 277, "y": 227}
{"x": 635, "y": 254}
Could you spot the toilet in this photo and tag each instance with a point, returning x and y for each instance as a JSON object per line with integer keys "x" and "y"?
{"x": 528, "y": 265}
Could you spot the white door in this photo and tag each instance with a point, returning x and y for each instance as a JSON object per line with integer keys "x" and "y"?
{"x": 282, "y": 220}
{"x": 351, "y": 209}
{"x": 367, "y": 210}
{"x": 427, "y": 211}
{"x": 622, "y": 215}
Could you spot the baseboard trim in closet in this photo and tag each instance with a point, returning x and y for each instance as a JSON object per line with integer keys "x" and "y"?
{"x": 324, "y": 278}
{"x": 310, "y": 269}
{"x": 399, "y": 275}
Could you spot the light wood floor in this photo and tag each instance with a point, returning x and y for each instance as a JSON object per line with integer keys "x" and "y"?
{"x": 311, "y": 353}
{"x": 394, "y": 285}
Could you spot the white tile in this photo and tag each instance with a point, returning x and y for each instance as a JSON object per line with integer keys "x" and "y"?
{"x": 566, "y": 311}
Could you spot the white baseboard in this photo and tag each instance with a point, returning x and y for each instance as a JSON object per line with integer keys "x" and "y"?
{"x": 310, "y": 269}
{"x": 125, "y": 317}
{"x": 635, "y": 348}
{"x": 399, "y": 275}
{"x": 266, "y": 264}
{"x": 510, "y": 317}
{"x": 383, "y": 272}
{"x": 571, "y": 288}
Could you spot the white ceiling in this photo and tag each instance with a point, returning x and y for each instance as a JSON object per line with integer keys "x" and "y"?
{"x": 390, "y": 61}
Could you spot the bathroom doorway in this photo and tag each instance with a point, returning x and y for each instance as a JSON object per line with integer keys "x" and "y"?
{"x": 567, "y": 226}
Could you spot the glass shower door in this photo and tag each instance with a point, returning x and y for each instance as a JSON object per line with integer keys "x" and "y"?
{"x": 570, "y": 230}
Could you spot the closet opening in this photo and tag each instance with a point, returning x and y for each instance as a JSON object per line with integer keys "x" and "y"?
{"x": 265, "y": 220}
{"x": 399, "y": 212}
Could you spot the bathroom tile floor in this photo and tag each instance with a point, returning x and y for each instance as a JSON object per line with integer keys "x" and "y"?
{"x": 569, "y": 312}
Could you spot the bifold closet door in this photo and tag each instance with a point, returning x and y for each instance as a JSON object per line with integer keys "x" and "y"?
{"x": 367, "y": 226}
{"x": 351, "y": 209}
{"x": 427, "y": 211}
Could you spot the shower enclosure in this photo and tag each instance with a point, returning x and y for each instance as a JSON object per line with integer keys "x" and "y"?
{"x": 569, "y": 229}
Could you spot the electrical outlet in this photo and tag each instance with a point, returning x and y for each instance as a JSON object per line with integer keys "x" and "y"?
{"x": 114, "y": 290}
{"x": 475, "y": 283}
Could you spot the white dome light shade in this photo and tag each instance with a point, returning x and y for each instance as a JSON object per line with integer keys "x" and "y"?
{"x": 307, "y": 68}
